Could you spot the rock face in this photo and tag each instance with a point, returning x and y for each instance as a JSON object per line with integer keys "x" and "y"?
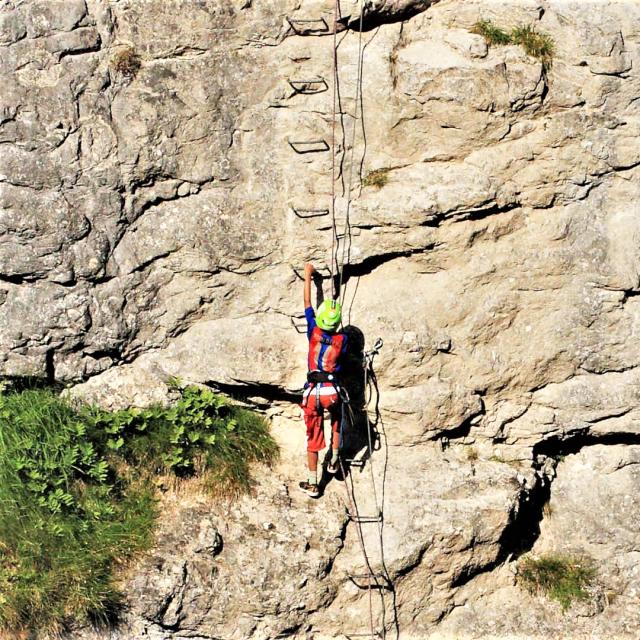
{"x": 154, "y": 224}
{"x": 592, "y": 510}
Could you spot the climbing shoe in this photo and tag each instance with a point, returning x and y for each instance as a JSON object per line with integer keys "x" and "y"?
{"x": 311, "y": 490}
{"x": 333, "y": 467}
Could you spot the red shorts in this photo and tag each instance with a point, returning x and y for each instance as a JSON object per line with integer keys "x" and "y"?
{"x": 313, "y": 407}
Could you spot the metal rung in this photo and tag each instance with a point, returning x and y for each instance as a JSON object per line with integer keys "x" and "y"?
{"x": 309, "y": 146}
{"x": 375, "y": 634}
{"x": 355, "y": 462}
{"x": 299, "y": 324}
{"x": 340, "y": 224}
{"x": 376, "y": 579}
{"x": 354, "y": 231}
{"x": 309, "y": 87}
{"x": 310, "y": 213}
{"x": 364, "y": 519}
{"x": 305, "y": 27}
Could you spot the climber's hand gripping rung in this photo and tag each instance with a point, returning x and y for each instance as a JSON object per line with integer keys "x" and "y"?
{"x": 324, "y": 272}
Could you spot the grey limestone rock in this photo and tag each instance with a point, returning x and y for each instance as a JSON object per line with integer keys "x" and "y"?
{"x": 152, "y": 224}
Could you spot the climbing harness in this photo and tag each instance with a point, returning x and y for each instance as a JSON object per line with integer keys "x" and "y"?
{"x": 315, "y": 376}
{"x": 374, "y": 580}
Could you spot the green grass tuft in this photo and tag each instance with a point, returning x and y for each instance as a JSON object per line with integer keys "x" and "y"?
{"x": 491, "y": 33}
{"x": 63, "y": 524}
{"x": 377, "y": 178}
{"x": 538, "y": 45}
{"x": 75, "y": 497}
{"x": 563, "y": 578}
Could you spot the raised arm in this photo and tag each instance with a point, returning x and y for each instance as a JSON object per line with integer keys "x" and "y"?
{"x": 309, "y": 270}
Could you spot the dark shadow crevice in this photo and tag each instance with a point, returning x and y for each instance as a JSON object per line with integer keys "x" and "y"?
{"x": 480, "y": 213}
{"x": 557, "y": 447}
{"x": 370, "y": 264}
{"x": 523, "y": 529}
{"x": 374, "y": 19}
{"x": 248, "y": 391}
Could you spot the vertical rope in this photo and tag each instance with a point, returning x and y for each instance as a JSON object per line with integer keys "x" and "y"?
{"x": 353, "y": 510}
{"x": 334, "y": 232}
{"x": 337, "y": 266}
{"x": 357, "y": 106}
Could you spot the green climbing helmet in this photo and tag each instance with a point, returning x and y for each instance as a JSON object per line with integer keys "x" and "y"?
{"x": 329, "y": 315}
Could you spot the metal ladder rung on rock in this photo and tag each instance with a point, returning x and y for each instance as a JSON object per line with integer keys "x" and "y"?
{"x": 372, "y": 581}
{"x": 309, "y": 87}
{"x": 341, "y": 224}
{"x": 368, "y": 634}
{"x": 358, "y": 463}
{"x": 364, "y": 519}
{"x": 353, "y": 231}
{"x": 310, "y": 213}
{"x": 309, "y": 146}
{"x": 299, "y": 324}
{"x": 305, "y": 27}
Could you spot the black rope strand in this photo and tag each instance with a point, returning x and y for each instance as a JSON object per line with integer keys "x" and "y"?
{"x": 370, "y": 381}
{"x": 346, "y": 237}
{"x": 334, "y": 234}
{"x": 371, "y": 385}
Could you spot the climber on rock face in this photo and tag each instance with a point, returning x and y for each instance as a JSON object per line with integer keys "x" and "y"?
{"x": 322, "y": 391}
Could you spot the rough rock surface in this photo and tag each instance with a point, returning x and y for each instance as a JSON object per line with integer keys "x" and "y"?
{"x": 593, "y": 510}
{"x": 148, "y": 229}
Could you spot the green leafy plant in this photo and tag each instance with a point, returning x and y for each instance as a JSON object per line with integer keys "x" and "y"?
{"x": 538, "y": 45}
{"x": 377, "y": 178}
{"x": 563, "y": 578}
{"x": 201, "y": 434}
{"x": 75, "y": 496}
{"x": 63, "y": 524}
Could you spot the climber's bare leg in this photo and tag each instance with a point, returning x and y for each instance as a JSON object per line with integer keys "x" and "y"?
{"x": 312, "y": 460}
